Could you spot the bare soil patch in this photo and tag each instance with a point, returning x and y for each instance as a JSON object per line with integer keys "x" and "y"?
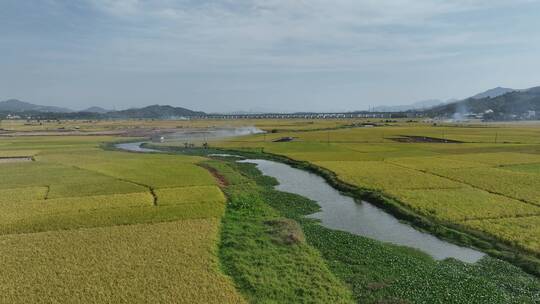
{"x": 424, "y": 139}
{"x": 18, "y": 159}
{"x": 222, "y": 181}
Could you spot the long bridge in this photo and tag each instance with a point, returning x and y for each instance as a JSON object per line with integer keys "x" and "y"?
{"x": 313, "y": 115}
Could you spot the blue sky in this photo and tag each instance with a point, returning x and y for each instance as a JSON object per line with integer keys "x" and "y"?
{"x": 285, "y": 55}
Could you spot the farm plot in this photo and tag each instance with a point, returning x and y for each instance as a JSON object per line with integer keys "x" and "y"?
{"x": 528, "y": 168}
{"x": 22, "y": 194}
{"x": 190, "y": 195}
{"x": 167, "y": 263}
{"x": 432, "y": 163}
{"x": 523, "y": 232}
{"x": 518, "y": 185}
{"x": 347, "y": 151}
{"x": 463, "y": 204}
{"x": 96, "y": 188}
{"x": 17, "y": 153}
{"x": 63, "y": 181}
{"x": 382, "y": 175}
{"x": 69, "y": 213}
{"x": 157, "y": 171}
{"x": 499, "y": 158}
{"x": 77, "y": 204}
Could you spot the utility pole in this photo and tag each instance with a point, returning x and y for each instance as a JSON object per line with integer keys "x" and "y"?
{"x": 496, "y": 136}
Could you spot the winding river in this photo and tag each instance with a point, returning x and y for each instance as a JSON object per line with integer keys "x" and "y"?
{"x": 340, "y": 212}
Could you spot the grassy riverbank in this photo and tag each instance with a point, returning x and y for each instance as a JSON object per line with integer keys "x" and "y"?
{"x": 265, "y": 253}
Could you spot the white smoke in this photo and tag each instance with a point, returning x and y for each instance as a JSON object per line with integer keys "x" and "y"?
{"x": 212, "y": 133}
{"x": 461, "y": 113}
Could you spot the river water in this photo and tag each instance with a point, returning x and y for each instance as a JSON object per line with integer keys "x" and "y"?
{"x": 340, "y": 212}
{"x": 135, "y": 147}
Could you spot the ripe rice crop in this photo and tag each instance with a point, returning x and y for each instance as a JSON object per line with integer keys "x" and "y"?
{"x": 518, "y": 185}
{"x": 172, "y": 262}
{"x": 382, "y": 175}
{"x": 17, "y": 153}
{"x": 463, "y": 204}
{"x": 190, "y": 195}
{"x": 521, "y": 231}
{"x": 22, "y": 194}
{"x": 160, "y": 175}
{"x": 528, "y": 168}
{"x": 433, "y": 163}
{"x": 102, "y": 186}
{"x": 64, "y": 181}
{"x": 499, "y": 158}
{"x": 13, "y": 212}
{"x": 333, "y": 156}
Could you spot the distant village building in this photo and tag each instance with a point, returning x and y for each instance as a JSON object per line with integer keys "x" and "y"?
{"x": 10, "y": 116}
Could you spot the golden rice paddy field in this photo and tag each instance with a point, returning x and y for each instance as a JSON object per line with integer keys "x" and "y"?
{"x": 83, "y": 225}
{"x": 135, "y": 124}
{"x": 489, "y": 180}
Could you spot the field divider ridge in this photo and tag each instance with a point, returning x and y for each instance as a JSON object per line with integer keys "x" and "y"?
{"x": 150, "y": 188}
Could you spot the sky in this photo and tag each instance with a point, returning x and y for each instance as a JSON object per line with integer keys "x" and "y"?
{"x": 264, "y": 55}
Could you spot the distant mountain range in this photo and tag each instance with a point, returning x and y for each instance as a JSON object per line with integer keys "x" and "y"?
{"x": 155, "y": 111}
{"x": 99, "y": 110}
{"x": 17, "y": 106}
{"x": 514, "y": 103}
{"x": 495, "y": 92}
{"x": 14, "y": 106}
{"x": 420, "y": 105}
{"x": 431, "y": 103}
{"x": 501, "y": 103}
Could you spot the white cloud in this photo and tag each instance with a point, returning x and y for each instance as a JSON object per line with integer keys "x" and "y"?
{"x": 403, "y": 44}
{"x": 317, "y": 34}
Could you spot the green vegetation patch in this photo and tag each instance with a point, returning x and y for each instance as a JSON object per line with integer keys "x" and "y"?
{"x": 378, "y": 272}
{"x": 267, "y": 256}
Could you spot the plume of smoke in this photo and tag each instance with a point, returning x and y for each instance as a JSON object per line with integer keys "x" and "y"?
{"x": 212, "y": 134}
{"x": 461, "y": 112}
